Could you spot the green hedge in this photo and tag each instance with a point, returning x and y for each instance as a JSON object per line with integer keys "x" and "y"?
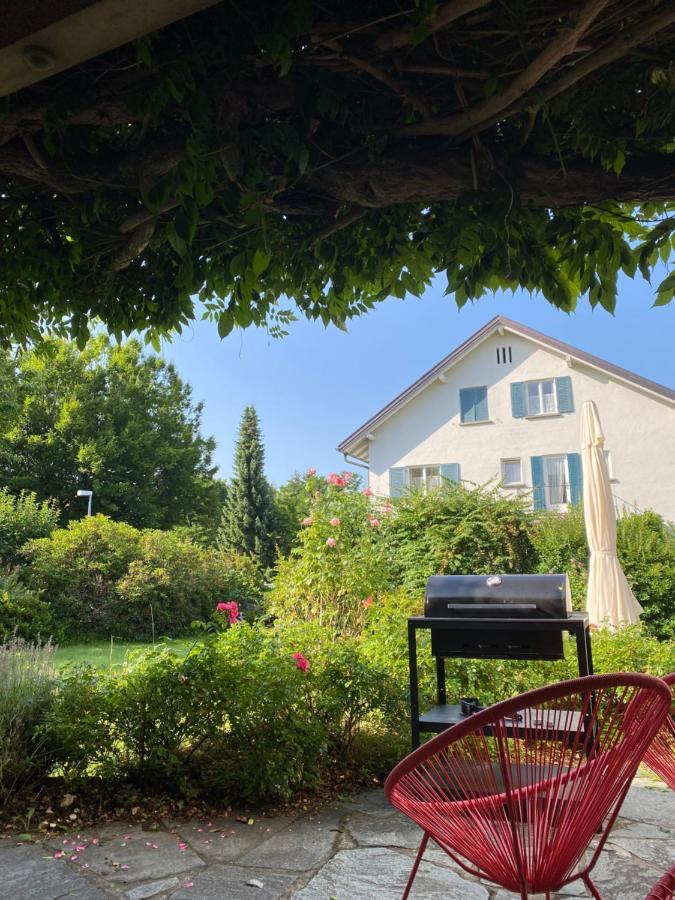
{"x": 101, "y": 577}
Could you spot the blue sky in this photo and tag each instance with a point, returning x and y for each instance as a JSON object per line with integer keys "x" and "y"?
{"x": 314, "y": 387}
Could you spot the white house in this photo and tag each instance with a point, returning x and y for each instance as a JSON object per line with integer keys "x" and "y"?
{"x": 505, "y": 406}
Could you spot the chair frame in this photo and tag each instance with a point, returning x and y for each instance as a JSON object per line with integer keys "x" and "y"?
{"x": 660, "y": 757}
{"x": 506, "y": 710}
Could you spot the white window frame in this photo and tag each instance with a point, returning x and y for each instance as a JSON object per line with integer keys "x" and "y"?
{"x": 542, "y": 412}
{"x": 512, "y": 459}
{"x": 425, "y": 476}
{"x": 610, "y": 465}
{"x": 560, "y": 507}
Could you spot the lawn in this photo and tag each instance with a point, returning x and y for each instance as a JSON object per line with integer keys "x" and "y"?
{"x": 102, "y": 655}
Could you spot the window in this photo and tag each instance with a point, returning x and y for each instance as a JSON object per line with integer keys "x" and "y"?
{"x": 502, "y": 354}
{"x": 473, "y": 404}
{"x": 610, "y": 467}
{"x": 511, "y": 472}
{"x": 556, "y": 481}
{"x": 541, "y": 397}
{"x": 424, "y": 478}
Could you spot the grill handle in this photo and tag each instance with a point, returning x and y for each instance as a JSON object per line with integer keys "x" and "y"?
{"x": 486, "y": 607}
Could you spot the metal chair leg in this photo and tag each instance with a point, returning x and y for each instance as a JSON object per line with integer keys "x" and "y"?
{"x": 591, "y": 887}
{"x": 416, "y": 865}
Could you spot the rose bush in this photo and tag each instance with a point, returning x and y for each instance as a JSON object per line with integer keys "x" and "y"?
{"x": 341, "y": 558}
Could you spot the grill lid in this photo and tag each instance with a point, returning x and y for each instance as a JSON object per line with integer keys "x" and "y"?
{"x": 498, "y": 596}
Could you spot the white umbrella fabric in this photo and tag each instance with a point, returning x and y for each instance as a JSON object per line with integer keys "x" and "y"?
{"x": 609, "y": 598}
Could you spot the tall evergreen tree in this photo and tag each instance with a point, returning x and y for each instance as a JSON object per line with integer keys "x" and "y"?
{"x": 248, "y": 512}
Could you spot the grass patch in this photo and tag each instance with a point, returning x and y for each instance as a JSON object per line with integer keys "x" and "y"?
{"x": 103, "y": 656}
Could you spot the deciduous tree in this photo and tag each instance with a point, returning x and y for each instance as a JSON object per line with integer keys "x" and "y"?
{"x": 108, "y": 419}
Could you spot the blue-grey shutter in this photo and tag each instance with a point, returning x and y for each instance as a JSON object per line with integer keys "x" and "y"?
{"x": 538, "y": 493}
{"x": 518, "y": 399}
{"x": 466, "y": 405}
{"x": 397, "y": 482}
{"x": 574, "y": 468}
{"x": 480, "y": 404}
{"x": 563, "y": 387}
{"x": 450, "y": 471}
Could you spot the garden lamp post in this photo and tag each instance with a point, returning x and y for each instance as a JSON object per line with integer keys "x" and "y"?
{"x": 88, "y": 494}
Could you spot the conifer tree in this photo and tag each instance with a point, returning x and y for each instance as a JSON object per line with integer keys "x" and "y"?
{"x": 248, "y": 512}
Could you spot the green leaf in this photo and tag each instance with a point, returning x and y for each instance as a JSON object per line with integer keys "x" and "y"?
{"x": 261, "y": 261}
{"x": 225, "y": 323}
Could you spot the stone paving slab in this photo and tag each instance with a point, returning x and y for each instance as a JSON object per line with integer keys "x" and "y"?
{"x": 358, "y": 848}
{"x": 224, "y": 839}
{"x": 302, "y": 846}
{"x": 376, "y": 873}
{"x": 25, "y": 874}
{"x": 237, "y": 883}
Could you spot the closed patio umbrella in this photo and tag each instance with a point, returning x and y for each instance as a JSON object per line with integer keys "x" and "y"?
{"x": 609, "y": 598}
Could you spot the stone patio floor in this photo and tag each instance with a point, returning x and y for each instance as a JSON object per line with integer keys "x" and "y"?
{"x": 353, "y": 849}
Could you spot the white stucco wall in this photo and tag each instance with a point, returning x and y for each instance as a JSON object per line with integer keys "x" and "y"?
{"x": 639, "y": 428}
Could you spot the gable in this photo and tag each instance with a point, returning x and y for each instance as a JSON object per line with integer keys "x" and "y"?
{"x": 484, "y": 359}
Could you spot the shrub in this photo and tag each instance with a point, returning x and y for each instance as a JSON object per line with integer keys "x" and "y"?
{"x": 101, "y": 577}
{"x": 26, "y": 684}
{"x": 340, "y": 561}
{"x": 454, "y": 530}
{"x": 559, "y": 540}
{"x": 647, "y": 552}
{"x": 175, "y": 581}
{"x": 253, "y": 714}
{"x": 22, "y": 612}
{"x": 77, "y": 570}
{"x": 23, "y": 517}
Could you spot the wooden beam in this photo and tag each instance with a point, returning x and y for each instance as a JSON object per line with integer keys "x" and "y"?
{"x": 99, "y": 27}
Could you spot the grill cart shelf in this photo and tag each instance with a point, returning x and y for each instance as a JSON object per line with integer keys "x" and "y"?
{"x": 480, "y": 637}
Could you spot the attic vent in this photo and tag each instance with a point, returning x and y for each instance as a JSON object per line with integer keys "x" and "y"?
{"x": 502, "y": 354}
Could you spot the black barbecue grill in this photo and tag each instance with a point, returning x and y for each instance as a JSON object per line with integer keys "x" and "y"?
{"x": 491, "y": 617}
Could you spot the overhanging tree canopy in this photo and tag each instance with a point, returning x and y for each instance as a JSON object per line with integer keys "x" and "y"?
{"x": 335, "y": 154}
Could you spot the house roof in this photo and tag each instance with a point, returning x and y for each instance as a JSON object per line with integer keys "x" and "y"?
{"x": 357, "y": 442}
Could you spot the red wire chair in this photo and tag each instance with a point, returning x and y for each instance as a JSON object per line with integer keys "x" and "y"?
{"x": 515, "y": 794}
{"x": 660, "y": 757}
{"x": 664, "y": 889}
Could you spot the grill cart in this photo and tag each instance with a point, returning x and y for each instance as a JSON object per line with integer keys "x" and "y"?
{"x": 491, "y": 617}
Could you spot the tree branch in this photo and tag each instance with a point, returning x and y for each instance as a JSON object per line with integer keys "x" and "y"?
{"x": 561, "y": 45}
{"x": 448, "y": 13}
{"x": 417, "y": 174}
{"x": 337, "y": 225}
{"x": 612, "y": 51}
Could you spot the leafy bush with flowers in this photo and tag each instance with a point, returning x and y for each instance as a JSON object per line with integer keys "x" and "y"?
{"x": 255, "y": 713}
{"x": 341, "y": 559}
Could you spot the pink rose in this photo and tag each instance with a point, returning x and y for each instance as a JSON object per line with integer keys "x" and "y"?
{"x": 335, "y": 521}
{"x": 387, "y": 509}
{"x": 347, "y": 476}
{"x": 375, "y": 523}
{"x": 367, "y": 602}
{"x": 311, "y": 473}
{"x": 367, "y": 492}
{"x": 335, "y": 479}
{"x": 232, "y": 610}
{"x": 301, "y": 662}
{"x": 331, "y": 542}
{"x": 307, "y": 521}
